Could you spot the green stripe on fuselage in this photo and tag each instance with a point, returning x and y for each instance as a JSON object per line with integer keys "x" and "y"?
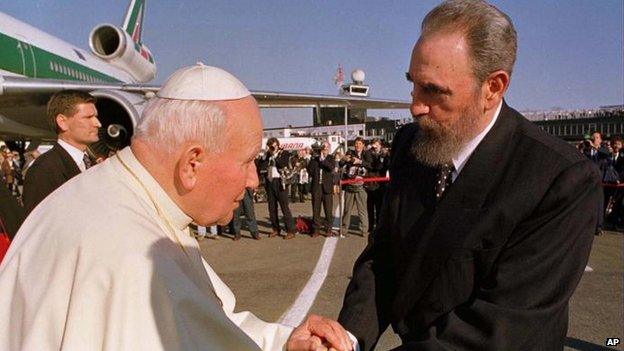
{"x": 31, "y": 61}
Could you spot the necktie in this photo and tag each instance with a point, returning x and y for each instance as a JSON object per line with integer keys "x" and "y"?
{"x": 445, "y": 179}
{"x": 87, "y": 161}
{"x": 320, "y": 170}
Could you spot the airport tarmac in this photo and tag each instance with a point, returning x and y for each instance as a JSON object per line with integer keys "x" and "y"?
{"x": 269, "y": 275}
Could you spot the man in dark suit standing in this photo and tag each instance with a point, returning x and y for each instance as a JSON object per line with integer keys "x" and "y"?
{"x": 321, "y": 170}
{"x": 375, "y": 190}
{"x": 488, "y": 221}
{"x": 74, "y": 117}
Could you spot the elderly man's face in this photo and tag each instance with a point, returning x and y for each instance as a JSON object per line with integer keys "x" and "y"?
{"x": 221, "y": 184}
{"x": 445, "y": 98}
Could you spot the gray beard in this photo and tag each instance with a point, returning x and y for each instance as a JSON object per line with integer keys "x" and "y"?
{"x": 436, "y": 144}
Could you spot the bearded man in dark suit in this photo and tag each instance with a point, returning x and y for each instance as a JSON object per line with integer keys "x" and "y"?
{"x": 488, "y": 222}
{"x": 74, "y": 117}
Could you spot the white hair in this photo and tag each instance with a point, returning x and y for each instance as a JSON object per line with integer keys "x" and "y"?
{"x": 167, "y": 124}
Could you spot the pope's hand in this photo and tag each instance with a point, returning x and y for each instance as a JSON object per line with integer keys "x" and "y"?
{"x": 319, "y": 333}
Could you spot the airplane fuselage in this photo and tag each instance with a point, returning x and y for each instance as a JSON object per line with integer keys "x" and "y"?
{"x": 30, "y": 52}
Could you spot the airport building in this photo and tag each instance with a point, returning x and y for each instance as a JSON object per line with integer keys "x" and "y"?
{"x": 368, "y": 128}
{"x": 576, "y": 125}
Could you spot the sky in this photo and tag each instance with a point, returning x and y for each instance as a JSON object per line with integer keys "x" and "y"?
{"x": 569, "y": 56}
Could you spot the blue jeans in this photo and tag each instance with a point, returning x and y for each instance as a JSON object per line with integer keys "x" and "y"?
{"x": 247, "y": 207}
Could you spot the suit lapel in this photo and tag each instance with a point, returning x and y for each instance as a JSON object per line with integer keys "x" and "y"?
{"x": 455, "y": 214}
{"x": 69, "y": 167}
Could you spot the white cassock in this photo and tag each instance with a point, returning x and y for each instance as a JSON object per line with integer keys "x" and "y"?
{"x": 96, "y": 267}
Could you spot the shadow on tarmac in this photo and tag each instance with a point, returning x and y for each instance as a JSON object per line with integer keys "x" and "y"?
{"x": 581, "y": 345}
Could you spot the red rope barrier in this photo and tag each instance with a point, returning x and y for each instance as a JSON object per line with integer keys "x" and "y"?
{"x": 365, "y": 180}
{"x": 387, "y": 179}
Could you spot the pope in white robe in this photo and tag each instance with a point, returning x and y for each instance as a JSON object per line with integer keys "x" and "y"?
{"x": 106, "y": 262}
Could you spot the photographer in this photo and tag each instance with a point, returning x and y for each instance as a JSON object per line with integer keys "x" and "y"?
{"x": 321, "y": 170}
{"x": 357, "y": 164}
{"x": 272, "y": 166}
{"x": 374, "y": 190}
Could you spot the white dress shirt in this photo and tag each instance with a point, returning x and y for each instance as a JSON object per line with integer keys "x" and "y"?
{"x": 460, "y": 160}
{"x": 75, "y": 153}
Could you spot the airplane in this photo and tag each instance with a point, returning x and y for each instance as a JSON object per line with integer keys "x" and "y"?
{"x": 117, "y": 69}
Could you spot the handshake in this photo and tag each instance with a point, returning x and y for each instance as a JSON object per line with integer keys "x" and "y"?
{"x": 319, "y": 334}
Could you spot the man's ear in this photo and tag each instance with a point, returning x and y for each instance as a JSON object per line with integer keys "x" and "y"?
{"x": 190, "y": 163}
{"x": 61, "y": 122}
{"x": 495, "y": 87}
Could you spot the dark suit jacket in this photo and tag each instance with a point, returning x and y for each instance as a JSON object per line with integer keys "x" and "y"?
{"x": 618, "y": 165}
{"x": 11, "y": 213}
{"x": 493, "y": 264}
{"x": 48, "y": 172}
{"x": 315, "y": 167}
{"x": 281, "y": 161}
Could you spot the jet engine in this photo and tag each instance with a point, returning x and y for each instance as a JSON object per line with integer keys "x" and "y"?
{"x": 119, "y": 112}
{"x": 115, "y": 46}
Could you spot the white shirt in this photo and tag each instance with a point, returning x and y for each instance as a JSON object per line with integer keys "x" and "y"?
{"x": 464, "y": 154}
{"x": 75, "y": 153}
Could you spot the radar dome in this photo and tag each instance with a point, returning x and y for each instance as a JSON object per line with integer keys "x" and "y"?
{"x": 358, "y": 76}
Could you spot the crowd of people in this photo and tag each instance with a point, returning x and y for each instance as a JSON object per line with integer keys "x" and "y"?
{"x": 608, "y": 156}
{"x": 316, "y": 174}
{"x": 14, "y": 166}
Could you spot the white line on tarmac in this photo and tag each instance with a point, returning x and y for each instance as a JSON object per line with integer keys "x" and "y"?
{"x": 299, "y": 309}
{"x": 588, "y": 269}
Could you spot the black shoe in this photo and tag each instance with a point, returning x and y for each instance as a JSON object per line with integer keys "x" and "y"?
{"x": 256, "y": 236}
